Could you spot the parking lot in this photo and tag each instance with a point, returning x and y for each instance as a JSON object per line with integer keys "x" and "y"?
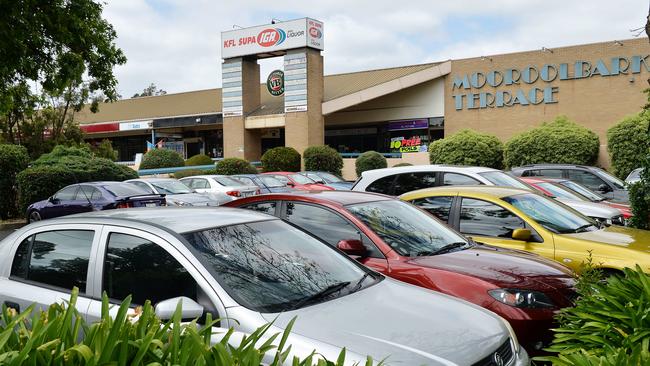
{"x": 6, "y": 229}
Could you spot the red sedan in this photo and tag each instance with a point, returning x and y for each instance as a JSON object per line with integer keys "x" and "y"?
{"x": 401, "y": 241}
{"x": 298, "y": 181}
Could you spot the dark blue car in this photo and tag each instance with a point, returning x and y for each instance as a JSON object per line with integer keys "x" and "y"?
{"x": 92, "y": 196}
{"x": 266, "y": 184}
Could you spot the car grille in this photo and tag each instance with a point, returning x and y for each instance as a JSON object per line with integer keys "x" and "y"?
{"x": 618, "y": 220}
{"x": 503, "y": 356}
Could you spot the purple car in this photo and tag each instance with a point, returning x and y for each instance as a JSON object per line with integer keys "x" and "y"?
{"x": 92, "y": 196}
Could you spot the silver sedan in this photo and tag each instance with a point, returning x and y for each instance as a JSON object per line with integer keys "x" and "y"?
{"x": 254, "y": 268}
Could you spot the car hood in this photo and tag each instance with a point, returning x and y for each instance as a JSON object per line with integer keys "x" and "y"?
{"x": 405, "y": 324}
{"x": 341, "y": 185}
{"x": 196, "y": 199}
{"x": 620, "y": 236}
{"x": 38, "y": 205}
{"x": 591, "y": 209}
{"x": 502, "y": 267}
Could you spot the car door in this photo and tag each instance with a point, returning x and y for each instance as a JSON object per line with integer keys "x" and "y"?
{"x": 591, "y": 181}
{"x": 407, "y": 182}
{"x": 200, "y": 185}
{"x": 145, "y": 186}
{"x": 147, "y": 267}
{"x": 83, "y": 200}
{"x": 59, "y": 204}
{"x": 489, "y": 223}
{"x": 46, "y": 263}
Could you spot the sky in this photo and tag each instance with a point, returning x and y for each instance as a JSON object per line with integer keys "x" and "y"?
{"x": 176, "y": 43}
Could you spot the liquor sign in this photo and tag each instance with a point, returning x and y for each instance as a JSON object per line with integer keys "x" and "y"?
{"x": 275, "y": 83}
{"x": 408, "y": 145}
{"x": 279, "y": 36}
{"x": 139, "y": 125}
{"x": 415, "y": 124}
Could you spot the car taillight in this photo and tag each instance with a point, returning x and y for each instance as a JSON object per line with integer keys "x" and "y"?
{"x": 233, "y": 193}
{"x": 124, "y": 205}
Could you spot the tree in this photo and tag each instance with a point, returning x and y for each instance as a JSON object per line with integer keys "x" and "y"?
{"x": 151, "y": 90}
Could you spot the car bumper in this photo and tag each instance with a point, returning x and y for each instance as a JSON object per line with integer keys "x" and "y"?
{"x": 532, "y": 326}
{"x": 522, "y": 358}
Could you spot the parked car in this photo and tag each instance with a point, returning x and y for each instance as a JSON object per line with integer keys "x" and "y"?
{"x": 634, "y": 176}
{"x": 594, "y": 178}
{"x": 397, "y": 181}
{"x": 265, "y": 183}
{"x": 176, "y": 192}
{"x": 92, "y": 196}
{"x": 602, "y": 213}
{"x": 247, "y": 269}
{"x": 410, "y": 245}
{"x": 519, "y": 219}
{"x": 298, "y": 181}
{"x": 329, "y": 179}
{"x": 220, "y": 187}
{"x": 592, "y": 196}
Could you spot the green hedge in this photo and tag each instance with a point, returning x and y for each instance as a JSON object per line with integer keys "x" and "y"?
{"x": 369, "y": 160}
{"x": 13, "y": 159}
{"x": 323, "y": 158}
{"x": 161, "y": 158}
{"x": 281, "y": 159}
{"x": 628, "y": 143}
{"x": 105, "y": 150}
{"x": 192, "y": 172}
{"x": 560, "y": 141}
{"x": 468, "y": 147}
{"x": 402, "y": 164}
{"x": 200, "y": 159}
{"x": 40, "y": 181}
{"x": 230, "y": 166}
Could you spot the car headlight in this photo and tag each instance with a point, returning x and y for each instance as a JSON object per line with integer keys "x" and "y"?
{"x": 521, "y": 298}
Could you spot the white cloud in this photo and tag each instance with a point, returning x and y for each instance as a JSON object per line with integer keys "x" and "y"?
{"x": 176, "y": 43}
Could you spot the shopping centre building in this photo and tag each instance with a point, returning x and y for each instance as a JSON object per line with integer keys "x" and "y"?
{"x": 396, "y": 110}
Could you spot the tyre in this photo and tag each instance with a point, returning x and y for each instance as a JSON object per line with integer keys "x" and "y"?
{"x": 34, "y": 216}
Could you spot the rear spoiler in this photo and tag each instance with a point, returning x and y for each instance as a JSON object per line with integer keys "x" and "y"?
{"x": 161, "y": 195}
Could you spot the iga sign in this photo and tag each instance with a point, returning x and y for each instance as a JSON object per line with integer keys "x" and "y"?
{"x": 466, "y": 98}
{"x": 275, "y": 83}
{"x": 280, "y": 36}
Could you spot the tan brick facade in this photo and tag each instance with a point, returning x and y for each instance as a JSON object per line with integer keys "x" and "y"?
{"x": 596, "y": 102}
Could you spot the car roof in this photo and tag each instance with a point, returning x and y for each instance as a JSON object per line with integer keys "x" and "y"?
{"x": 101, "y": 183}
{"x": 281, "y": 173}
{"x": 175, "y": 219}
{"x": 536, "y": 166}
{"x": 342, "y": 198}
{"x": 426, "y": 168}
{"x": 482, "y": 190}
{"x": 152, "y": 179}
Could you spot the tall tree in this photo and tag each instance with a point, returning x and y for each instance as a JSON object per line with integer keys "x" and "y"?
{"x": 149, "y": 91}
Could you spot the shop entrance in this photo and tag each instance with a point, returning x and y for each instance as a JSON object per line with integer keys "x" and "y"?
{"x": 272, "y": 137}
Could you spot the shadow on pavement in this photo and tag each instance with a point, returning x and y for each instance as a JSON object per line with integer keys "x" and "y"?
{"x": 6, "y": 229}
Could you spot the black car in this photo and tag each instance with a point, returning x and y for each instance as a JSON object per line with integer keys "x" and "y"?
{"x": 594, "y": 178}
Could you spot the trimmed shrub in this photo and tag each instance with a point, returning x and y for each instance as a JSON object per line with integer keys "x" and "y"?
{"x": 468, "y": 147}
{"x": 230, "y": 166}
{"x": 63, "y": 152}
{"x": 560, "y": 141}
{"x": 199, "y": 159}
{"x": 323, "y": 158}
{"x": 369, "y": 160}
{"x": 189, "y": 173}
{"x": 161, "y": 158}
{"x": 628, "y": 143}
{"x": 42, "y": 180}
{"x": 13, "y": 159}
{"x": 281, "y": 159}
{"x": 105, "y": 150}
{"x": 402, "y": 164}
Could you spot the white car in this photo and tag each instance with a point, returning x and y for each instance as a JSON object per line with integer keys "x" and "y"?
{"x": 217, "y": 185}
{"x": 176, "y": 192}
{"x": 634, "y": 176}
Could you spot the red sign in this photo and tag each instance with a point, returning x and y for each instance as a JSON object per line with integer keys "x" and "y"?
{"x": 104, "y": 127}
{"x": 315, "y": 32}
{"x": 271, "y": 37}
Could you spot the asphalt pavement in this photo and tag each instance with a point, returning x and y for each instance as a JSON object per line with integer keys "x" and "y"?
{"x": 6, "y": 229}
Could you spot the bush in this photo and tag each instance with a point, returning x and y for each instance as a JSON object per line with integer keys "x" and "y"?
{"x": 402, "y": 164}
{"x": 59, "y": 335}
{"x": 13, "y": 159}
{"x": 628, "y": 143}
{"x": 199, "y": 159}
{"x": 105, "y": 150}
{"x": 230, "y": 166}
{"x": 468, "y": 147}
{"x": 161, "y": 158}
{"x": 609, "y": 318}
{"x": 281, "y": 159}
{"x": 369, "y": 160}
{"x": 560, "y": 141}
{"x": 62, "y": 152}
{"x": 323, "y": 158}
{"x": 191, "y": 172}
{"x": 44, "y": 178}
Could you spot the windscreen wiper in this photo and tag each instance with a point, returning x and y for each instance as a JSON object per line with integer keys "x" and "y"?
{"x": 359, "y": 283}
{"x": 445, "y": 249}
{"x": 322, "y": 294}
{"x": 582, "y": 228}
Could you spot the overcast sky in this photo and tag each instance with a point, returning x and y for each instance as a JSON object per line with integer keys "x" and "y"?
{"x": 176, "y": 43}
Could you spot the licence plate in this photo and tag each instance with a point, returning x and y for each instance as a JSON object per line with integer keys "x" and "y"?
{"x": 150, "y": 204}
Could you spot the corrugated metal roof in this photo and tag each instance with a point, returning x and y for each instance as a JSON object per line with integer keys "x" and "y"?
{"x": 209, "y": 100}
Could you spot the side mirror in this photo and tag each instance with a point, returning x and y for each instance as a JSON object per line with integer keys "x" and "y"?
{"x": 291, "y": 184}
{"x": 53, "y": 199}
{"x": 190, "y": 309}
{"x": 352, "y": 247}
{"x": 604, "y": 188}
{"x": 522, "y": 234}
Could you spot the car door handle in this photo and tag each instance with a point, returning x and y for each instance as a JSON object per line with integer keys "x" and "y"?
{"x": 13, "y": 305}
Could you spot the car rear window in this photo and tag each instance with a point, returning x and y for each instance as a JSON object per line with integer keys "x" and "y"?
{"x": 124, "y": 190}
{"x": 226, "y": 181}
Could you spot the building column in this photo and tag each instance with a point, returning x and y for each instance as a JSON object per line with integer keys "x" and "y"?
{"x": 240, "y": 94}
{"x": 303, "y": 99}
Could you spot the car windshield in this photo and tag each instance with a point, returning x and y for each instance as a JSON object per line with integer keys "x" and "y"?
{"x": 281, "y": 178}
{"x": 171, "y": 187}
{"x": 227, "y": 181}
{"x": 560, "y": 192}
{"x": 408, "y": 230}
{"x": 329, "y": 177}
{"x": 301, "y": 179}
{"x": 619, "y": 184}
{"x": 245, "y": 181}
{"x": 634, "y": 175}
{"x": 502, "y": 179}
{"x": 271, "y": 266}
{"x": 125, "y": 190}
{"x": 550, "y": 214}
{"x": 577, "y": 187}
{"x": 272, "y": 182}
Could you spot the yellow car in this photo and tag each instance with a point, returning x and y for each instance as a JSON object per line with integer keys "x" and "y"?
{"x": 518, "y": 219}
